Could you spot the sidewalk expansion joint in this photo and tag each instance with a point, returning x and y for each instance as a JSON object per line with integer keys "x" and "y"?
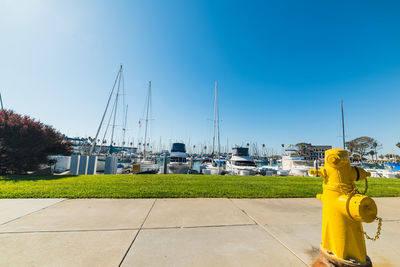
{"x": 34, "y": 211}
{"x": 198, "y": 226}
{"x": 137, "y": 233}
{"x": 68, "y": 231}
{"x": 123, "y": 229}
{"x": 270, "y": 233}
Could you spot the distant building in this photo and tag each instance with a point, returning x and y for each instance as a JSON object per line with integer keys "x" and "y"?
{"x": 81, "y": 146}
{"x": 307, "y": 151}
{"x": 316, "y": 152}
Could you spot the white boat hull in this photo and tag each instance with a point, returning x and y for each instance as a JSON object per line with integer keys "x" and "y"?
{"x": 178, "y": 168}
{"x": 146, "y": 166}
{"x": 243, "y": 171}
{"x": 101, "y": 162}
{"x": 62, "y": 163}
{"x": 383, "y": 173}
{"x": 214, "y": 171}
{"x": 299, "y": 171}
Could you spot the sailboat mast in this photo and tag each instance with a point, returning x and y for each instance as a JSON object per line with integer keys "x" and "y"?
{"x": 105, "y": 111}
{"x": 125, "y": 110}
{"x": 124, "y": 128}
{"x": 1, "y": 102}
{"x": 216, "y": 101}
{"x": 215, "y": 117}
{"x": 116, "y": 106}
{"x": 147, "y": 118}
{"x": 344, "y": 139}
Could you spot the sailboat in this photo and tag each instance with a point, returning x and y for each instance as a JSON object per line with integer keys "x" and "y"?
{"x": 217, "y": 165}
{"x": 103, "y": 151}
{"x": 147, "y": 165}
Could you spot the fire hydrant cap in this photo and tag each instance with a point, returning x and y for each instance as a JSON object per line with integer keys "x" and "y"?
{"x": 368, "y": 210}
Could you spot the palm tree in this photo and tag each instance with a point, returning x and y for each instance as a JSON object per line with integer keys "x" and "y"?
{"x": 375, "y": 145}
{"x": 398, "y": 144}
{"x": 372, "y": 153}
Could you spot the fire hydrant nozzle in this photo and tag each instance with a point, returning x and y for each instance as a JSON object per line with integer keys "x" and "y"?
{"x": 344, "y": 209}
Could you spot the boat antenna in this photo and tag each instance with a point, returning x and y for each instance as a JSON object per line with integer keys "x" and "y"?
{"x": 105, "y": 111}
{"x": 344, "y": 139}
{"x": 147, "y": 119}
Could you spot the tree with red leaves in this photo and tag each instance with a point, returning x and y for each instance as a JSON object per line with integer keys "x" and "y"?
{"x": 25, "y": 144}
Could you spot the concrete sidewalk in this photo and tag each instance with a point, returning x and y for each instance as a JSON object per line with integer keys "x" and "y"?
{"x": 176, "y": 232}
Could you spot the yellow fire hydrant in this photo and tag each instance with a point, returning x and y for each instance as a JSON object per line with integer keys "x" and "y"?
{"x": 343, "y": 211}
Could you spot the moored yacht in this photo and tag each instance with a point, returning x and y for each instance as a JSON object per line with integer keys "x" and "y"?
{"x": 215, "y": 167}
{"x": 378, "y": 170}
{"x": 241, "y": 163}
{"x": 178, "y": 159}
{"x": 297, "y": 166}
{"x": 147, "y": 165}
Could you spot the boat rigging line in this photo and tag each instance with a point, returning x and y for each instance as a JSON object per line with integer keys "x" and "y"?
{"x": 105, "y": 111}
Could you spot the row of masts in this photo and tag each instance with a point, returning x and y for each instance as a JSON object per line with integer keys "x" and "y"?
{"x": 216, "y": 123}
{"x": 119, "y": 81}
{"x": 118, "y": 84}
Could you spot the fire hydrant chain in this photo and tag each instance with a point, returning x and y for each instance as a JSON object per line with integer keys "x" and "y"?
{"x": 378, "y": 231}
{"x": 366, "y": 186}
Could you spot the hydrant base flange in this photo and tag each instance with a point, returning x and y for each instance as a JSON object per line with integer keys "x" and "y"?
{"x": 326, "y": 259}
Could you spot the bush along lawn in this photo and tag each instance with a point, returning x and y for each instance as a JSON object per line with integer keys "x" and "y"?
{"x": 175, "y": 186}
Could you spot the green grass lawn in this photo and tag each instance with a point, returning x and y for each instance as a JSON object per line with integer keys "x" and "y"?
{"x": 174, "y": 186}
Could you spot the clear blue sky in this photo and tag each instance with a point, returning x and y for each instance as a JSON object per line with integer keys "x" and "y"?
{"x": 282, "y": 67}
